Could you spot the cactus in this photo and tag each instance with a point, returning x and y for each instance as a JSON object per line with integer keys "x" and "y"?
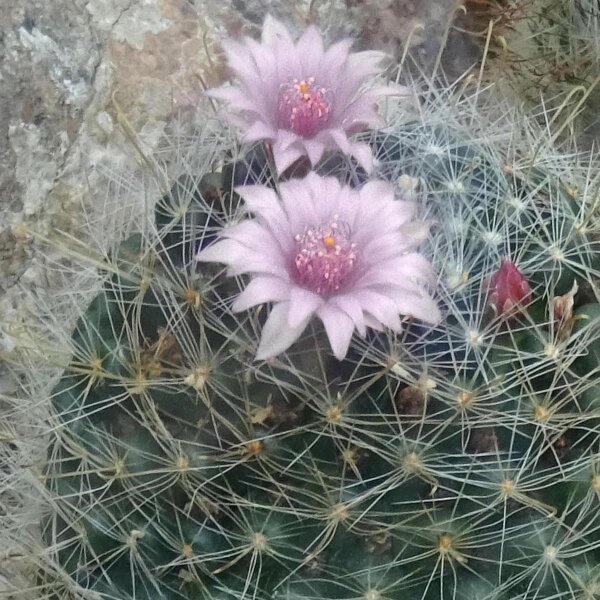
{"x": 453, "y": 461}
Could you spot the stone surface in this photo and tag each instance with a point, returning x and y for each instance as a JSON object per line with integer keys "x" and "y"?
{"x": 60, "y": 64}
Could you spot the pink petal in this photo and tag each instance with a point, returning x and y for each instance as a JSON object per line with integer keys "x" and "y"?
{"x": 339, "y": 328}
{"x": 359, "y": 66}
{"x": 222, "y": 251}
{"x": 285, "y": 139}
{"x": 415, "y": 267}
{"x": 303, "y": 304}
{"x": 380, "y": 306}
{"x": 340, "y": 202}
{"x": 256, "y": 237}
{"x": 263, "y": 202}
{"x": 242, "y": 63}
{"x": 380, "y": 217}
{"x": 233, "y": 95}
{"x": 259, "y": 199}
{"x": 353, "y": 309}
{"x": 385, "y": 246}
{"x": 414, "y": 234}
{"x": 419, "y": 306}
{"x": 285, "y": 158}
{"x": 363, "y": 110}
{"x": 363, "y": 155}
{"x": 332, "y": 62}
{"x": 238, "y": 58}
{"x": 274, "y": 30}
{"x": 266, "y": 64}
{"x": 260, "y": 290}
{"x": 381, "y": 248}
{"x": 277, "y": 335}
{"x": 310, "y": 49}
{"x": 253, "y": 262}
{"x": 314, "y": 150}
{"x": 404, "y": 270}
{"x": 279, "y": 42}
{"x": 242, "y": 259}
{"x": 372, "y": 322}
{"x": 259, "y": 130}
{"x": 366, "y": 62}
{"x": 361, "y": 152}
{"x": 377, "y": 190}
{"x": 339, "y": 139}
{"x": 298, "y": 198}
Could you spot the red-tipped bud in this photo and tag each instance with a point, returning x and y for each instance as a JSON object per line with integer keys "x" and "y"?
{"x": 508, "y": 289}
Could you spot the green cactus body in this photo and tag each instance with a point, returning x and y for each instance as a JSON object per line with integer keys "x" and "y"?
{"x": 453, "y": 462}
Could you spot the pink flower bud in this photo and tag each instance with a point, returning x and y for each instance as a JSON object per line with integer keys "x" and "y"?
{"x": 508, "y": 289}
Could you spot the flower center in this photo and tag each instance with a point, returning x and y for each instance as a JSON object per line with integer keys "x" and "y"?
{"x": 325, "y": 256}
{"x": 304, "y": 107}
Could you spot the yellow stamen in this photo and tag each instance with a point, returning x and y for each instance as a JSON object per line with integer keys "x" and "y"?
{"x": 303, "y": 87}
{"x": 329, "y": 241}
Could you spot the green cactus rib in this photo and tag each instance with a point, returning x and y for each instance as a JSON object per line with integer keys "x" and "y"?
{"x": 455, "y": 462}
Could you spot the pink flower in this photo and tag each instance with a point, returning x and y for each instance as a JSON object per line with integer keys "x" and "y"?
{"x": 508, "y": 288}
{"x": 299, "y": 97}
{"x": 344, "y": 255}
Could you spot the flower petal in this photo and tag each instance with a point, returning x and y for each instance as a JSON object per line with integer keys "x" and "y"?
{"x": 277, "y": 335}
{"x": 274, "y": 30}
{"x": 303, "y": 304}
{"x": 259, "y": 199}
{"x": 298, "y": 199}
{"x": 353, "y": 309}
{"x": 361, "y": 152}
{"x": 380, "y": 306}
{"x": 285, "y": 158}
{"x": 408, "y": 270}
{"x": 310, "y": 48}
{"x": 339, "y": 328}
{"x": 259, "y": 130}
{"x": 263, "y": 201}
{"x": 358, "y": 67}
{"x": 363, "y": 110}
{"x": 256, "y": 237}
{"x": 242, "y": 259}
{"x": 376, "y": 191}
{"x": 417, "y": 305}
{"x": 314, "y": 150}
{"x": 260, "y": 290}
{"x": 233, "y": 95}
{"x": 332, "y": 63}
{"x": 222, "y": 251}
{"x": 363, "y": 155}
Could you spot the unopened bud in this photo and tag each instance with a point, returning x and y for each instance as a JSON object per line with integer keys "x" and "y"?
{"x": 562, "y": 311}
{"x": 508, "y": 289}
{"x": 562, "y": 306}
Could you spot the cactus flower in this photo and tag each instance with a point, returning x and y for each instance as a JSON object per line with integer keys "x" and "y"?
{"x": 508, "y": 288}
{"x": 299, "y": 97}
{"x": 343, "y": 255}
